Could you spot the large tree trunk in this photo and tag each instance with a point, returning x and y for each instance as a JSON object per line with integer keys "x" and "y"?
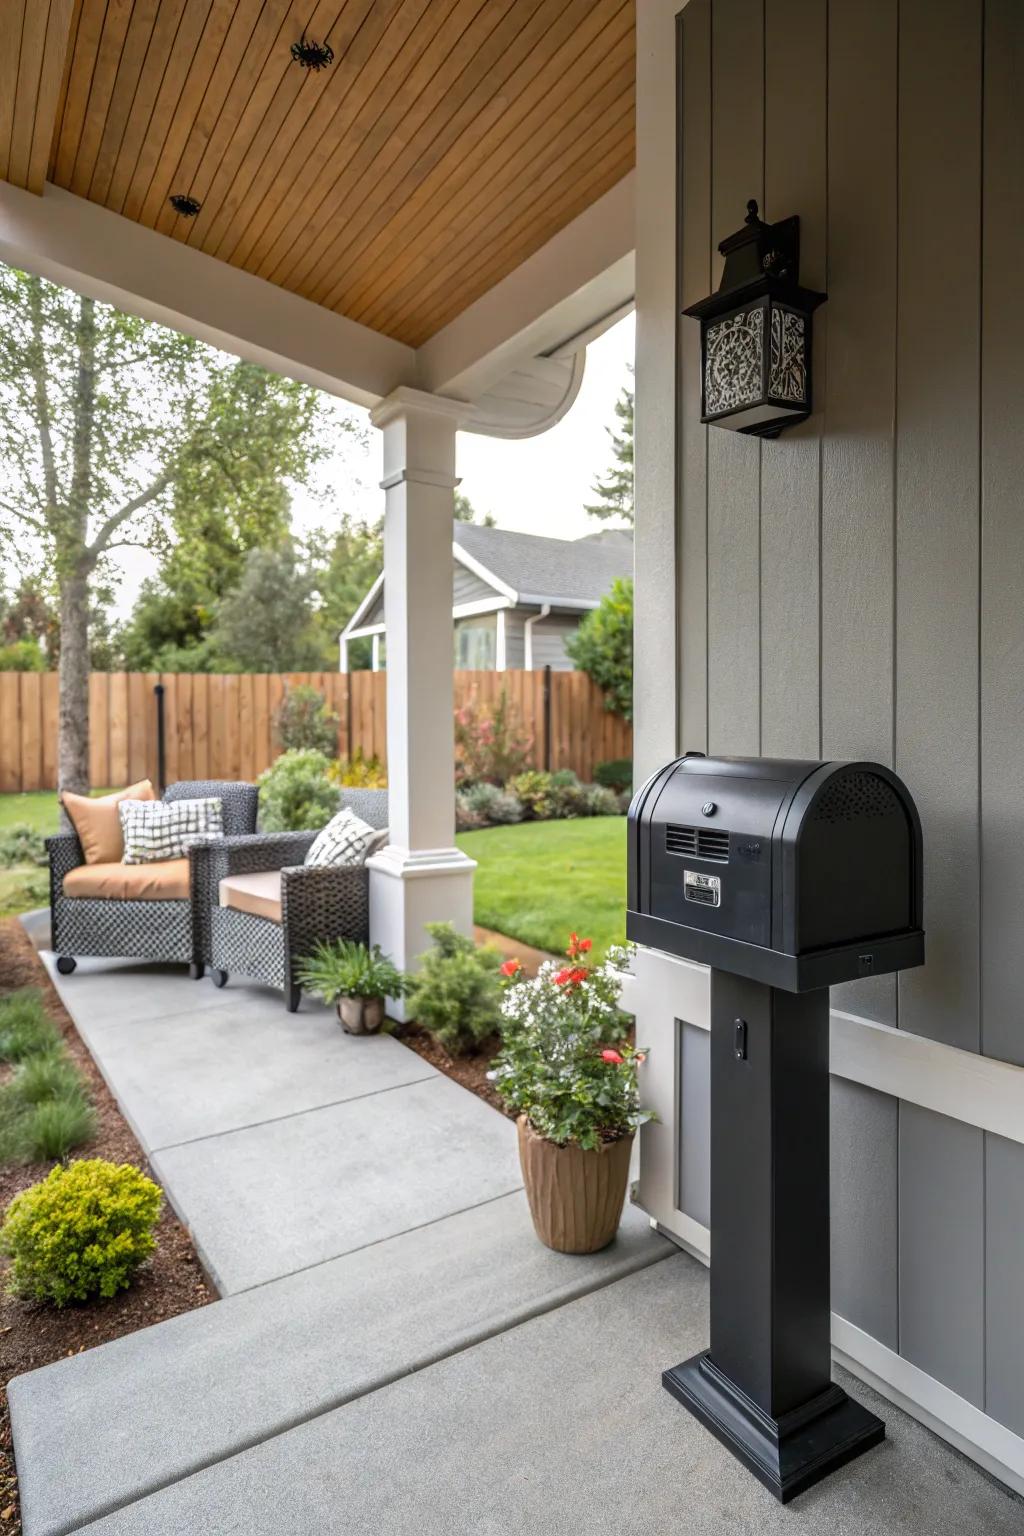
{"x": 73, "y": 740}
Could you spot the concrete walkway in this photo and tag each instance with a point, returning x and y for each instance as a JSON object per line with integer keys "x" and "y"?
{"x": 395, "y": 1352}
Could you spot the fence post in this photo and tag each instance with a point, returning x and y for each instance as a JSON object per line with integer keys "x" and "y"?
{"x": 161, "y": 741}
{"x": 547, "y": 717}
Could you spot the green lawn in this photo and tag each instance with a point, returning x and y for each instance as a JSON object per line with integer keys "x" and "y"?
{"x": 23, "y": 888}
{"x": 37, "y": 809}
{"x": 540, "y": 881}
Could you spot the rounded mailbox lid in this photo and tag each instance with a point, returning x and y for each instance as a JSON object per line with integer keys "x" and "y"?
{"x": 712, "y": 869}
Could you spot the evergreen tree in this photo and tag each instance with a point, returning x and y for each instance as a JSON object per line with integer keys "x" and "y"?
{"x": 267, "y": 624}
{"x": 614, "y": 489}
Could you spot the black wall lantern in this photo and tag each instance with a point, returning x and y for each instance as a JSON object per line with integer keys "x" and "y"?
{"x": 755, "y": 332}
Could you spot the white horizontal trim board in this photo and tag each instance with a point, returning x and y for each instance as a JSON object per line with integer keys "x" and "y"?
{"x": 992, "y": 1445}
{"x": 978, "y": 1090}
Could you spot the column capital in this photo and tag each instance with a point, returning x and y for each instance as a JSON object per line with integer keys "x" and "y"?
{"x": 406, "y": 401}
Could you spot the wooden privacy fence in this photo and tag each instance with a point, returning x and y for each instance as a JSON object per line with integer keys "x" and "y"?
{"x": 220, "y": 726}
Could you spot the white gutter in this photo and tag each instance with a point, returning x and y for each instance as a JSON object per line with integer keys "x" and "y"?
{"x": 528, "y": 636}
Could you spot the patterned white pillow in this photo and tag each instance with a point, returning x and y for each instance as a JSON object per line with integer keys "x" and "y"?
{"x": 345, "y": 840}
{"x": 167, "y": 829}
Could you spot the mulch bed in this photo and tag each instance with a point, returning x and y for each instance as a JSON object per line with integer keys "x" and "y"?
{"x": 172, "y": 1281}
{"x": 469, "y": 1071}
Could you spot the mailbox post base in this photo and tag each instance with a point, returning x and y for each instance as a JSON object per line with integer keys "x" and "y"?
{"x": 787, "y": 1454}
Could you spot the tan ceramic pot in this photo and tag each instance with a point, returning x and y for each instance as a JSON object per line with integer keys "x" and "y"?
{"x": 361, "y": 1015}
{"x": 576, "y": 1197}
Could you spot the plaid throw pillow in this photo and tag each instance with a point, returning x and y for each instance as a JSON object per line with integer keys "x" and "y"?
{"x": 345, "y": 840}
{"x": 167, "y": 829}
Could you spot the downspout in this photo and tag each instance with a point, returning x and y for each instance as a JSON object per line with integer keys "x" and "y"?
{"x": 528, "y": 624}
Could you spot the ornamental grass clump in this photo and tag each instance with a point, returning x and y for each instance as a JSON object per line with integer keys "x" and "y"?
{"x": 81, "y": 1232}
{"x": 566, "y": 1064}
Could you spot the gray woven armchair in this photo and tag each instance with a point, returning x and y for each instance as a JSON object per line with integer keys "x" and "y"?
{"x": 145, "y": 929}
{"x": 275, "y": 909}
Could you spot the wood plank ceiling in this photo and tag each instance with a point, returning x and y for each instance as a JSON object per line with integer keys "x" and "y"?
{"x": 33, "y": 46}
{"x": 447, "y": 141}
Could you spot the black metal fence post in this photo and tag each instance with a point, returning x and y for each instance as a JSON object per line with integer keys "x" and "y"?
{"x": 547, "y": 718}
{"x": 161, "y": 739}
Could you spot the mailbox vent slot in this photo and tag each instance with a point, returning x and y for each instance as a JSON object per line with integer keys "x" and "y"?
{"x": 698, "y": 843}
{"x": 855, "y": 796}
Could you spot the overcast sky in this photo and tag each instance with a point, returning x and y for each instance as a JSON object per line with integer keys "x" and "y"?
{"x": 535, "y": 485}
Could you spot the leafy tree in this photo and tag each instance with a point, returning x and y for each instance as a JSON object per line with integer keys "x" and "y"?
{"x": 344, "y": 561}
{"x": 614, "y": 489}
{"x": 603, "y": 646}
{"x": 266, "y": 624}
{"x": 465, "y": 512}
{"x": 107, "y": 423}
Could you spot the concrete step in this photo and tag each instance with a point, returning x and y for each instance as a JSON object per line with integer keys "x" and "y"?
{"x": 106, "y": 1428}
{"x": 558, "y": 1427}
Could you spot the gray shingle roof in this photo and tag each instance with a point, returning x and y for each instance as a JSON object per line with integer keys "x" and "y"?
{"x": 574, "y": 570}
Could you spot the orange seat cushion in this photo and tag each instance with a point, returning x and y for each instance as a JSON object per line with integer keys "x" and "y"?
{"x": 259, "y": 894}
{"x": 97, "y": 822}
{"x": 166, "y": 880}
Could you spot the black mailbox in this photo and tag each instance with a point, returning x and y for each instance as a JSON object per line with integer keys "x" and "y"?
{"x": 784, "y": 877}
{"x": 798, "y": 874}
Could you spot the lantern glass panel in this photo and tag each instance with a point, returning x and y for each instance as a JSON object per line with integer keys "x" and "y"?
{"x": 787, "y": 369}
{"x": 734, "y": 361}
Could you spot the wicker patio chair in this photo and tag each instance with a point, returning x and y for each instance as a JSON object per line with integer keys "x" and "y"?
{"x": 289, "y": 913}
{"x": 151, "y": 929}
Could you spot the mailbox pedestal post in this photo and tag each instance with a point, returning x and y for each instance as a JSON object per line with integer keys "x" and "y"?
{"x": 765, "y": 1388}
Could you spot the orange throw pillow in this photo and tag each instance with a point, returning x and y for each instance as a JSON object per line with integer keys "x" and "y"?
{"x": 97, "y": 823}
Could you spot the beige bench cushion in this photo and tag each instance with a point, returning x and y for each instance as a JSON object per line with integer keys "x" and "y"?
{"x": 163, "y": 881}
{"x": 259, "y": 894}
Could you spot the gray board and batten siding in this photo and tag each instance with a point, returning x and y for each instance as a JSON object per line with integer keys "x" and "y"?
{"x": 856, "y": 589}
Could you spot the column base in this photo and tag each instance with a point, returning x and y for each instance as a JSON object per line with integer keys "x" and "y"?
{"x": 787, "y": 1454}
{"x": 410, "y": 888}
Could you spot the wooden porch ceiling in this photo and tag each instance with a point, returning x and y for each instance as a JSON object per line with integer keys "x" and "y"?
{"x": 447, "y": 142}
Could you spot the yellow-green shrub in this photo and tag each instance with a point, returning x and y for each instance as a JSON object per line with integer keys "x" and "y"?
{"x": 81, "y": 1232}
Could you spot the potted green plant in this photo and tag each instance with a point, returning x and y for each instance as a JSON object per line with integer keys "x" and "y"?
{"x": 569, "y": 1074}
{"x": 356, "y": 979}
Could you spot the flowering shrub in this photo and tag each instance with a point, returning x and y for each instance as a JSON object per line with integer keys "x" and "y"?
{"x": 358, "y": 771}
{"x": 304, "y": 723}
{"x": 489, "y": 743}
{"x": 565, "y": 1061}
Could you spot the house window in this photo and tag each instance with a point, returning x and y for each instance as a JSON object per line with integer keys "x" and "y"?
{"x": 476, "y": 643}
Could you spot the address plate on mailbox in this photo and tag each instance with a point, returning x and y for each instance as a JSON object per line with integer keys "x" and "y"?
{"x": 706, "y": 889}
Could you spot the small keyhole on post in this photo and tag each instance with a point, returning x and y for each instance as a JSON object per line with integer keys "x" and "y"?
{"x": 740, "y": 1040}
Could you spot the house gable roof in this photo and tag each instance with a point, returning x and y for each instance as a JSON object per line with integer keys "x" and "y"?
{"x": 528, "y": 570}
{"x": 569, "y": 572}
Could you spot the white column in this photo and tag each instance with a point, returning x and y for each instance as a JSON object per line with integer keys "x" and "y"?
{"x": 375, "y": 653}
{"x": 343, "y": 655}
{"x": 420, "y": 876}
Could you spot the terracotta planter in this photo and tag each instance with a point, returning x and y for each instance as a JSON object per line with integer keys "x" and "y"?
{"x": 361, "y": 1015}
{"x": 575, "y": 1197}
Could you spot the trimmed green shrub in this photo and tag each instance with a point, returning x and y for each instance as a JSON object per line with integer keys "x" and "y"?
{"x": 615, "y": 774}
{"x": 603, "y": 646}
{"x": 456, "y": 993}
{"x": 600, "y": 801}
{"x": 492, "y": 804}
{"x": 82, "y": 1231}
{"x": 26, "y": 1028}
{"x": 304, "y": 723}
{"x": 22, "y": 844}
{"x": 536, "y": 792}
{"x": 295, "y": 793}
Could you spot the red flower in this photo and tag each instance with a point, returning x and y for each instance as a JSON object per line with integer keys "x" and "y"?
{"x": 585, "y": 946}
{"x": 641, "y": 1057}
{"x": 511, "y": 968}
{"x": 570, "y": 976}
{"x": 613, "y": 1057}
{"x": 578, "y": 946}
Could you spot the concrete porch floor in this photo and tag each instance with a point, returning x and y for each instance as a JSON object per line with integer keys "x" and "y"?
{"x": 395, "y": 1352}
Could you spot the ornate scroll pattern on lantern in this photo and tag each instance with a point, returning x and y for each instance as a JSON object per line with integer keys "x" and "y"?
{"x": 787, "y": 378}
{"x": 733, "y": 366}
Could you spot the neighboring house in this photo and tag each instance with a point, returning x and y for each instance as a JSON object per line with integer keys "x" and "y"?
{"x": 516, "y": 597}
